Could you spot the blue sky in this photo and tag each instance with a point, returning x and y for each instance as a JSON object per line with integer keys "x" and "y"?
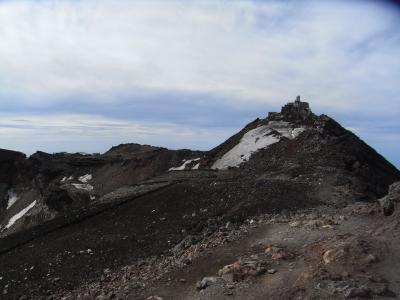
{"x": 86, "y": 75}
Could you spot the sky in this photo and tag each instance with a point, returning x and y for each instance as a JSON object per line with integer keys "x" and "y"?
{"x": 84, "y": 75}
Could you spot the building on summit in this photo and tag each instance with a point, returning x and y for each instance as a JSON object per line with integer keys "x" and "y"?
{"x": 296, "y": 110}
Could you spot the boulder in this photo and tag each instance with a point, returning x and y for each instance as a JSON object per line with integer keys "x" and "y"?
{"x": 394, "y": 191}
{"x": 154, "y": 298}
{"x": 242, "y": 269}
{"x": 206, "y": 281}
{"x": 278, "y": 253}
{"x": 359, "y": 292}
{"x": 387, "y": 203}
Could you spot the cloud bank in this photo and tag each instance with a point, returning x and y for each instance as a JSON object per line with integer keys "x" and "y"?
{"x": 89, "y": 133}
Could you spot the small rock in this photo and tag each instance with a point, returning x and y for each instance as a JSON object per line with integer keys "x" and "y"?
{"x": 271, "y": 271}
{"x": 327, "y": 226}
{"x": 228, "y": 225}
{"x": 371, "y": 258}
{"x": 205, "y": 282}
{"x": 228, "y": 292}
{"x": 387, "y": 205}
{"x": 279, "y": 253}
{"x": 106, "y": 271}
{"x": 229, "y": 269}
{"x": 329, "y": 256}
{"x": 362, "y": 291}
{"x": 344, "y": 274}
{"x": 154, "y": 298}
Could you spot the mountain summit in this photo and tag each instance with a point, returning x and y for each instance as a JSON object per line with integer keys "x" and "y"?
{"x": 294, "y": 118}
{"x": 73, "y": 219}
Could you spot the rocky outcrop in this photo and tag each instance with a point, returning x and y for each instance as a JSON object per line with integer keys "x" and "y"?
{"x": 391, "y": 200}
{"x": 10, "y": 163}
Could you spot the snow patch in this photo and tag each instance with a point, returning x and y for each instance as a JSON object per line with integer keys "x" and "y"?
{"x": 20, "y": 214}
{"x": 254, "y": 140}
{"x": 65, "y": 179}
{"x": 297, "y": 131}
{"x": 83, "y": 186}
{"x": 85, "y": 178}
{"x": 196, "y": 167}
{"x": 183, "y": 166}
{"x": 12, "y": 198}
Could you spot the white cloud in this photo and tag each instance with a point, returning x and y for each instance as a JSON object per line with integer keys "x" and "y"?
{"x": 244, "y": 50}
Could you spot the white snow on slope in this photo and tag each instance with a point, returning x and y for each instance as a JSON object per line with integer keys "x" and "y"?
{"x": 85, "y": 178}
{"x": 83, "y": 186}
{"x": 296, "y": 132}
{"x": 196, "y": 167}
{"x": 65, "y": 179}
{"x": 20, "y": 214}
{"x": 12, "y": 198}
{"x": 256, "y": 139}
{"x": 183, "y": 166}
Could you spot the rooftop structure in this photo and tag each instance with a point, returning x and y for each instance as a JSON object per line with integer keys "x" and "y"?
{"x": 296, "y": 110}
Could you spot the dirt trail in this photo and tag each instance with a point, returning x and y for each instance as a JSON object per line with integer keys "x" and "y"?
{"x": 365, "y": 255}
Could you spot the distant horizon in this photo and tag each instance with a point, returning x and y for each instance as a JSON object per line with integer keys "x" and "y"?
{"x": 83, "y": 76}
{"x": 397, "y": 165}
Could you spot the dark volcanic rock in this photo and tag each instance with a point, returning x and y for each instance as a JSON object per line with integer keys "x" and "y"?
{"x": 10, "y": 162}
{"x": 9, "y": 156}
